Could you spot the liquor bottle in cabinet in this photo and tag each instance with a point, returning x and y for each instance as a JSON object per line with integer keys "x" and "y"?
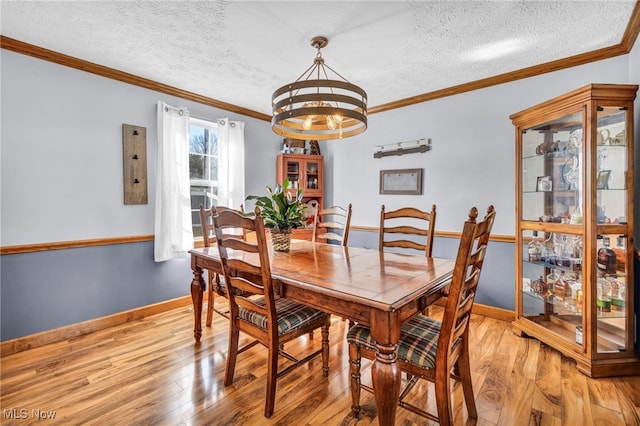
{"x": 574, "y": 206}
{"x": 305, "y": 172}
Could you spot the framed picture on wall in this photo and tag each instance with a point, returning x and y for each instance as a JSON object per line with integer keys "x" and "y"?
{"x": 401, "y": 181}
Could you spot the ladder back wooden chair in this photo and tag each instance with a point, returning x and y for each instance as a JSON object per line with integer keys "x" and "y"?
{"x": 214, "y": 284}
{"x": 332, "y": 224}
{"x": 431, "y": 349}
{"x": 255, "y": 308}
{"x": 397, "y": 226}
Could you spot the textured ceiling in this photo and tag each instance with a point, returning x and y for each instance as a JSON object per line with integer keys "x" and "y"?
{"x": 239, "y": 52}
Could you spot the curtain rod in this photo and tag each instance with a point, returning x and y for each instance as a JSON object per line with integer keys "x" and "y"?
{"x": 220, "y": 121}
{"x": 181, "y": 111}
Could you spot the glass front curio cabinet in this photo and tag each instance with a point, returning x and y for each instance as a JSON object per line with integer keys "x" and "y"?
{"x": 574, "y": 227}
{"x": 305, "y": 172}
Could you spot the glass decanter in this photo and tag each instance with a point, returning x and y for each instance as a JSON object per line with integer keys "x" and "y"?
{"x": 535, "y": 248}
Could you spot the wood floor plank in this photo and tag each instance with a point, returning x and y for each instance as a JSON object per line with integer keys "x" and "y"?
{"x": 527, "y": 358}
{"x": 575, "y": 395}
{"x": 517, "y": 402}
{"x": 485, "y": 343}
{"x": 628, "y": 392}
{"x": 547, "y": 395}
{"x": 491, "y": 395}
{"x": 539, "y": 418}
{"x": 150, "y": 371}
{"x": 605, "y": 417}
{"x": 603, "y": 393}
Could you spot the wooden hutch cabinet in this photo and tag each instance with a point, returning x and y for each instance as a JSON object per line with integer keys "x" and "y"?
{"x": 574, "y": 227}
{"x": 305, "y": 172}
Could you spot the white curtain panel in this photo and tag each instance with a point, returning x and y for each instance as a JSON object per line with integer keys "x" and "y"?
{"x": 173, "y": 231}
{"x": 231, "y": 163}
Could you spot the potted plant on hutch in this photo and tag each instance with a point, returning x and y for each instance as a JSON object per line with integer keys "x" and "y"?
{"x": 282, "y": 212}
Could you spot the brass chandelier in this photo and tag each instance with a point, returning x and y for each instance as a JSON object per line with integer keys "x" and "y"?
{"x": 316, "y": 107}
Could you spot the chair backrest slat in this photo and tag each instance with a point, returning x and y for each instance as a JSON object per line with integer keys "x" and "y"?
{"x": 405, "y": 244}
{"x": 409, "y": 212}
{"x": 331, "y": 236}
{"x": 241, "y": 245}
{"x": 250, "y": 305}
{"x": 459, "y": 330}
{"x": 408, "y": 222}
{"x": 406, "y": 230}
{"x": 331, "y": 225}
{"x": 236, "y": 265}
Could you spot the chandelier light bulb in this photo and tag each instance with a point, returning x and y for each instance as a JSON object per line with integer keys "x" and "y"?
{"x": 331, "y": 123}
{"x": 306, "y": 125}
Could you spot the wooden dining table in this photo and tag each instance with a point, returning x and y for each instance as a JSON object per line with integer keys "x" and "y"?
{"x": 380, "y": 289}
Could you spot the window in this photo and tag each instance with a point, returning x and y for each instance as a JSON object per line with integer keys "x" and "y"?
{"x": 203, "y": 168}
{"x": 216, "y": 166}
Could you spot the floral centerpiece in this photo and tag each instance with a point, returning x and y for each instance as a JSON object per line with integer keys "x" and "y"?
{"x": 282, "y": 212}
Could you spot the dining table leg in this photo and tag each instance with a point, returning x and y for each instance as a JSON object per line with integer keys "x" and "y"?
{"x": 385, "y": 373}
{"x": 197, "y": 290}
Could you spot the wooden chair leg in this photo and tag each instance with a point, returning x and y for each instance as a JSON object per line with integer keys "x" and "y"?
{"x": 443, "y": 398}
{"x": 325, "y": 346}
{"x": 464, "y": 370}
{"x": 354, "y": 367}
{"x": 232, "y": 355}
{"x": 211, "y": 296}
{"x": 272, "y": 375}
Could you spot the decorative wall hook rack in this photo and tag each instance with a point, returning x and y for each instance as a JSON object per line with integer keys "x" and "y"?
{"x": 401, "y": 148}
{"x": 134, "y": 149}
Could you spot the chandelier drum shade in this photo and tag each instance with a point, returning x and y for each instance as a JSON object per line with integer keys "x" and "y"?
{"x": 317, "y": 107}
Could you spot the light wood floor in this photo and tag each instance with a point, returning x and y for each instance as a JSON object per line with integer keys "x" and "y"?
{"x": 151, "y": 372}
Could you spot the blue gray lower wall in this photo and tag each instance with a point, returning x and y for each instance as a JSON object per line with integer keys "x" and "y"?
{"x": 45, "y": 290}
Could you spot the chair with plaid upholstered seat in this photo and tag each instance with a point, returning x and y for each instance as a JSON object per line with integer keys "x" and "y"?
{"x": 431, "y": 349}
{"x": 255, "y": 308}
